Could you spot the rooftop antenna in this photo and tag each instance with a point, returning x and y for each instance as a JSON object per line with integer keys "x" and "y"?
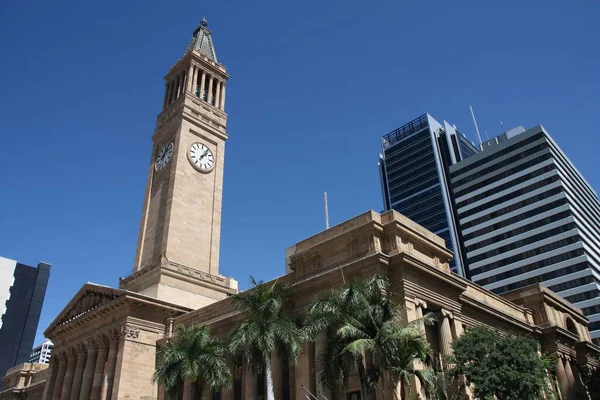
{"x": 476, "y": 128}
{"x": 326, "y": 211}
{"x": 502, "y": 125}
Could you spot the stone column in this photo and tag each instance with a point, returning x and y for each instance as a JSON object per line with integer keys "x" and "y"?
{"x": 113, "y": 349}
{"x": 183, "y": 82}
{"x": 51, "y": 379}
{"x": 177, "y": 86}
{"x": 202, "y": 84}
{"x": 209, "y": 98}
{"x": 78, "y": 374}
{"x": 420, "y": 307}
{"x": 249, "y": 383}
{"x": 276, "y": 368}
{"x": 223, "y": 96}
{"x": 187, "y": 391}
{"x": 166, "y": 95}
{"x": 170, "y": 96}
{"x": 320, "y": 344}
{"x": 169, "y": 327}
{"x": 579, "y": 385}
{"x": 88, "y": 373}
{"x": 68, "y": 381}
{"x": 60, "y": 376}
{"x": 99, "y": 368}
{"x": 218, "y": 94}
{"x": 446, "y": 333}
{"x": 227, "y": 392}
{"x": 562, "y": 376}
{"x": 190, "y": 78}
{"x": 301, "y": 375}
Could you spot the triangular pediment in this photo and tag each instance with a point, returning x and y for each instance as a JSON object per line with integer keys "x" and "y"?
{"x": 89, "y": 298}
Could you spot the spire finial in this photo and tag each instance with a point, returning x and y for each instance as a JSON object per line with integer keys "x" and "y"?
{"x": 204, "y": 22}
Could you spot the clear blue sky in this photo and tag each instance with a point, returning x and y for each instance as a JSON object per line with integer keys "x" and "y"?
{"x": 314, "y": 85}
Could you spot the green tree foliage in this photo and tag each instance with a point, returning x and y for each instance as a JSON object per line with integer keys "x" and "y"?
{"x": 195, "y": 357}
{"x": 264, "y": 329}
{"x": 591, "y": 379}
{"x": 506, "y": 367}
{"x": 366, "y": 333}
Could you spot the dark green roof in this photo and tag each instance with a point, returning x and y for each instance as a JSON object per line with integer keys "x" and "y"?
{"x": 202, "y": 41}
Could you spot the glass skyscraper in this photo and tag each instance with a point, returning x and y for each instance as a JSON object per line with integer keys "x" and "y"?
{"x": 414, "y": 170}
{"x": 22, "y": 292}
{"x": 528, "y": 216}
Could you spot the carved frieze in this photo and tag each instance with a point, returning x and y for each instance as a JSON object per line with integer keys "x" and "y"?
{"x": 85, "y": 304}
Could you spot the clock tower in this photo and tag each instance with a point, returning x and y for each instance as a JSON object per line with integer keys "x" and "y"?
{"x": 177, "y": 258}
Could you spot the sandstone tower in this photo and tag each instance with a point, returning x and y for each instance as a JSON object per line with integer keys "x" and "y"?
{"x": 177, "y": 256}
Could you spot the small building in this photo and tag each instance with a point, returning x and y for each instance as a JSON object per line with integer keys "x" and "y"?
{"x": 42, "y": 353}
{"x": 25, "y": 381}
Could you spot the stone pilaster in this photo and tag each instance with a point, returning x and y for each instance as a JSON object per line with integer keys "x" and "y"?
{"x": 78, "y": 373}
{"x": 101, "y": 358}
{"x": 113, "y": 349}
{"x": 68, "y": 381}
{"x": 88, "y": 373}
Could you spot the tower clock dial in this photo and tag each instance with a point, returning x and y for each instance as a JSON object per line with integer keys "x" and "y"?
{"x": 201, "y": 157}
{"x": 163, "y": 156}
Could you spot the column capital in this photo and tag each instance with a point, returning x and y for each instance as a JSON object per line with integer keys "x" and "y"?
{"x": 71, "y": 352}
{"x": 92, "y": 344}
{"x": 447, "y": 313}
{"x": 112, "y": 336}
{"x": 420, "y": 303}
{"x": 81, "y": 349}
{"x": 129, "y": 332}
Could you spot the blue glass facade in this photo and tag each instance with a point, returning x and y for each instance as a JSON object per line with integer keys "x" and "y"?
{"x": 23, "y": 309}
{"x": 414, "y": 176}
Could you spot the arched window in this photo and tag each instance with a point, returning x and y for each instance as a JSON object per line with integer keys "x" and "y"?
{"x": 571, "y": 326}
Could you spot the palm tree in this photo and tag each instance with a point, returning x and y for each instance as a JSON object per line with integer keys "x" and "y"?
{"x": 193, "y": 356}
{"x": 364, "y": 323}
{"x": 264, "y": 329}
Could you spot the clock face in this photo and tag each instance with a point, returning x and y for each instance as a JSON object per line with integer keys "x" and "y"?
{"x": 201, "y": 157}
{"x": 163, "y": 156}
